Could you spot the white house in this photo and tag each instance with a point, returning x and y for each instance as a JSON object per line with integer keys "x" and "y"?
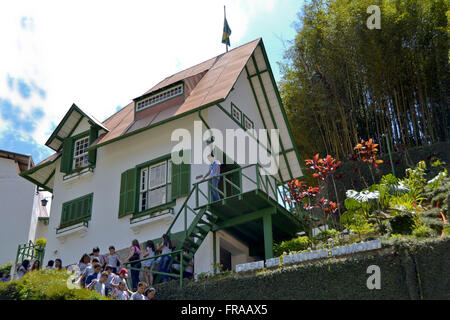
{"x": 23, "y": 218}
{"x": 116, "y": 180}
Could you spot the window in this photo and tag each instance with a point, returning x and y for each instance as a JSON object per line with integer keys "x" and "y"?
{"x": 80, "y": 153}
{"x": 248, "y": 124}
{"x": 160, "y": 97}
{"x": 155, "y": 185}
{"x": 76, "y": 210}
{"x": 236, "y": 113}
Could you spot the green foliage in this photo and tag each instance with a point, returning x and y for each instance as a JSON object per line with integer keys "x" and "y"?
{"x": 402, "y": 224}
{"x": 294, "y": 245}
{"x": 334, "y": 278}
{"x": 42, "y": 242}
{"x": 392, "y": 80}
{"x": 45, "y": 285}
{"x": 6, "y": 268}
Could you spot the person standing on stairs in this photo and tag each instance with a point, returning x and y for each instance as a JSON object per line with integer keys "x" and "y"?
{"x": 214, "y": 172}
{"x": 165, "y": 247}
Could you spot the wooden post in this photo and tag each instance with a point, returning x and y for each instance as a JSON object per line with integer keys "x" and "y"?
{"x": 214, "y": 252}
{"x": 268, "y": 239}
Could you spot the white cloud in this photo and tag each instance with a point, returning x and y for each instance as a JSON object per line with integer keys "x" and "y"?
{"x": 101, "y": 54}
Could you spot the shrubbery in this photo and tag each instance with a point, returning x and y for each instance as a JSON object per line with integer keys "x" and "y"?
{"x": 45, "y": 285}
{"x": 6, "y": 268}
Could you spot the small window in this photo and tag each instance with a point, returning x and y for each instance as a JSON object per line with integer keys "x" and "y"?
{"x": 155, "y": 185}
{"x": 160, "y": 97}
{"x": 80, "y": 153}
{"x": 248, "y": 124}
{"x": 236, "y": 113}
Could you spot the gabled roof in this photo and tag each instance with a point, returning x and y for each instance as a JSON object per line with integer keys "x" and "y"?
{"x": 23, "y": 161}
{"x": 218, "y": 75}
{"x": 68, "y": 125}
{"x": 206, "y": 84}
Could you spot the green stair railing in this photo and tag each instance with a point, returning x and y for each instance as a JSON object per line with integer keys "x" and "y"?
{"x": 252, "y": 178}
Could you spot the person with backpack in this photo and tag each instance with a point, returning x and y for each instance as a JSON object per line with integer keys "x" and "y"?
{"x": 135, "y": 254}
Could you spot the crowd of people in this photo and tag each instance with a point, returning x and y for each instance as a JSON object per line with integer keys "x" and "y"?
{"x": 106, "y": 275}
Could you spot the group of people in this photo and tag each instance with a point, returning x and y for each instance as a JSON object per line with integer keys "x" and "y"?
{"x": 106, "y": 275}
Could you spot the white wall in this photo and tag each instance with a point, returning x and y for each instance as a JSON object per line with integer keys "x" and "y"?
{"x": 105, "y": 228}
{"x": 16, "y": 204}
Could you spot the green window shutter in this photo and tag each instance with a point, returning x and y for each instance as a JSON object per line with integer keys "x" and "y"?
{"x": 66, "y": 159}
{"x": 127, "y": 192}
{"x": 92, "y": 155}
{"x": 181, "y": 178}
{"x": 76, "y": 210}
{"x": 131, "y": 191}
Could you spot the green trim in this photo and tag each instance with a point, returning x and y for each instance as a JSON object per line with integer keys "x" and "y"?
{"x": 74, "y": 138}
{"x": 36, "y": 183}
{"x": 263, "y": 89}
{"x": 240, "y": 111}
{"x": 71, "y": 204}
{"x": 154, "y": 93}
{"x": 39, "y": 167}
{"x": 69, "y": 136}
{"x": 257, "y": 73}
{"x": 162, "y": 207}
{"x": 137, "y": 213}
{"x": 268, "y": 236}
{"x": 245, "y": 218}
{"x": 85, "y": 223}
{"x": 50, "y": 176}
{"x": 247, "y": 118}
{"x": 242, "y": 127}
{"x": 203, "y": 120}
{"x": 260, "y": 114}
{"x": 154, "y": 161}
{"x": 283, "y": 111}
{"x": 73, "y": 108}
{"x": 182, "y": 115}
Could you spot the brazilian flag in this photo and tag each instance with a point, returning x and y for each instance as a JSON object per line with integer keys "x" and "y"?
{"x": 226, "y": 33}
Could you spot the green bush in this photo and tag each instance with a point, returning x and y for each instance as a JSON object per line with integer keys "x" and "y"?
{"x": 293, "y": 245}
{"x": 410, "y": 269}
{"x": 45, "y": 285}
{"x": 6, "y": 268}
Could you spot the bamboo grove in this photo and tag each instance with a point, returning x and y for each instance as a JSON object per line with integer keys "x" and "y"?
{"x": 342, "y": 82}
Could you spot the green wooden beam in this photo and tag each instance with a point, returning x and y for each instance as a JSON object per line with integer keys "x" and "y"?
{"x": 214, "y": 252}
{"x": 263, "y": 89}
{"x": 49, "y": 177}
{"x": 268, "y": 237}
{"x": 245, "y": 218}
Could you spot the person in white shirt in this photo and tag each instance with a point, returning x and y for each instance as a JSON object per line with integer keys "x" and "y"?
{"x": 120, "y": 293}
{"x": 139, "y": 294}
{"x": 113, "y": 259}
{"x": 149, "y": 264}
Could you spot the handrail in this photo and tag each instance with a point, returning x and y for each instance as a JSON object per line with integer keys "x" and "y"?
{"x": 154, "y": 257}
{"x": 180, "y": 210}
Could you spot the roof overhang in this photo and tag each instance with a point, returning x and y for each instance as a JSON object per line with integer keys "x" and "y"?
{"x": 68, "y": 125}
{"x": 23, "y": 161}
{"x": 43, "y": 175}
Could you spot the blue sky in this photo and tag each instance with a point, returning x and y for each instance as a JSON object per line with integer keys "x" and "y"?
{"x": 50, "y": 58}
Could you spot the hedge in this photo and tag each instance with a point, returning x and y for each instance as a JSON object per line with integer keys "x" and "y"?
{"x": 410, "y": 269}
{"x": 45, "y": 285}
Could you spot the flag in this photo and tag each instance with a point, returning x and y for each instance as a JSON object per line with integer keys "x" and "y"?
{"x": 226, "y": 33}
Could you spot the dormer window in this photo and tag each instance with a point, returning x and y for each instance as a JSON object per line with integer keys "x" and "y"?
{"x": 159, "y": 97}
{"x": 80, "y": 153}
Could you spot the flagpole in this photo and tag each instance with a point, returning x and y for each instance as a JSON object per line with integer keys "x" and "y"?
{"x": 225, "y": 15}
